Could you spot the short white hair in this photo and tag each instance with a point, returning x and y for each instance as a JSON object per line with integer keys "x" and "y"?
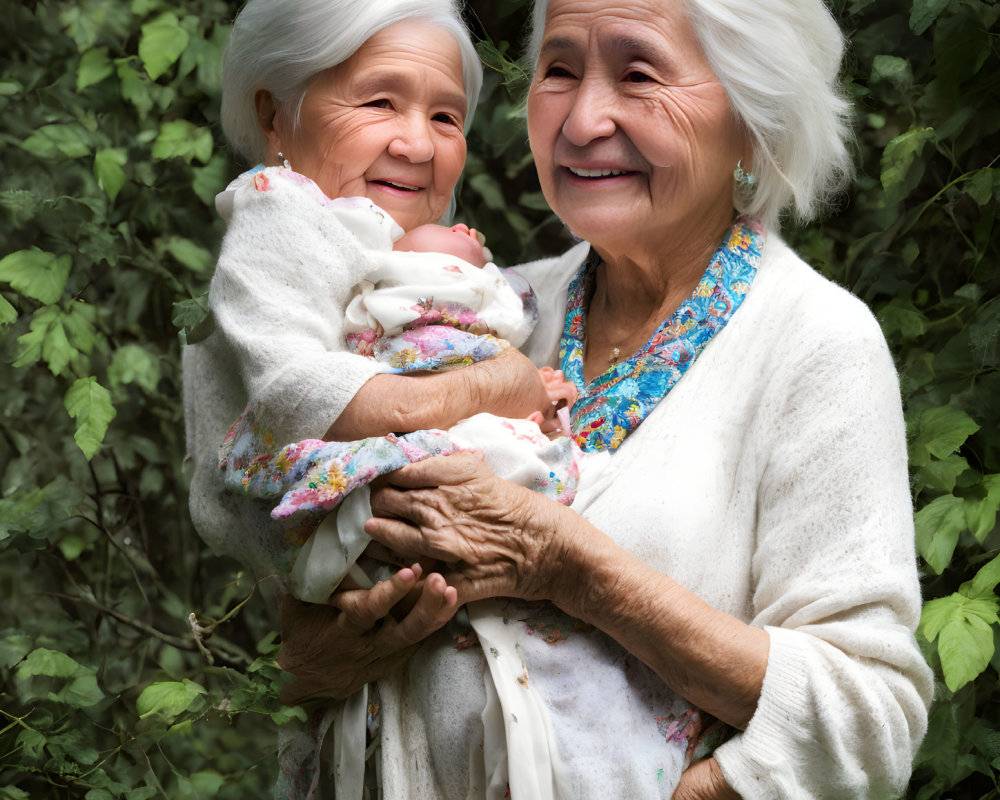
{"x": 779, "y": 62}
{"x": 281, "y": 45}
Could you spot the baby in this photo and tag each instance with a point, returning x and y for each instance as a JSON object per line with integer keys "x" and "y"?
{"x": 459, "y": 240}
{"x": 431, "y": 299}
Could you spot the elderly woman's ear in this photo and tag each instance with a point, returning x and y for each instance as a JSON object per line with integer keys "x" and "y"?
{"x": 267, "y": 110}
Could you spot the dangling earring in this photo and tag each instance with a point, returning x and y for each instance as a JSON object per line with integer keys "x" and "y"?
{"x": 744, "y": 179}
{"x": 284, "y": 160}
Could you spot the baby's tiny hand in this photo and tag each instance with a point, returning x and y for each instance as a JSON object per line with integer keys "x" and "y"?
{"x": 562, "y": 394}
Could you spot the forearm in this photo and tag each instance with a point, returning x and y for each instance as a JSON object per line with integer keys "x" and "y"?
{"x": 709, "y": 657}
{"x": 391, "y": 403}
{"x": 508, "y": 385}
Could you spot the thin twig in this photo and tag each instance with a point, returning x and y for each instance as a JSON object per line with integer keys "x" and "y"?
{"x": 174, "y": 641}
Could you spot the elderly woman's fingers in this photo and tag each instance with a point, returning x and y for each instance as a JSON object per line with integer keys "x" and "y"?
{"x": 404, "y": 537}
{"x": 332, "y": 650}
{"x": 437, "y": 471}
{"x": 437, "y": 604}
{"x": 361, "y": 609}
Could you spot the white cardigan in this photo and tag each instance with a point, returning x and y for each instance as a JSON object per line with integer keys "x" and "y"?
{"x": 772, "y": 482}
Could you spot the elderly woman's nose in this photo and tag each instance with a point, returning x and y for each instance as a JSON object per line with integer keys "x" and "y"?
{"x": 592, "y": 113}
{"x": 413, "y": 141}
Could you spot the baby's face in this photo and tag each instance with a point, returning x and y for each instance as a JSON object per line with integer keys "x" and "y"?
{"x": 458, "y": 240}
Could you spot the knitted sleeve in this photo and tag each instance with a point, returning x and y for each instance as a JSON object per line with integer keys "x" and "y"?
{"x": 279, "y": 294}
{"x": 844, "y": 699}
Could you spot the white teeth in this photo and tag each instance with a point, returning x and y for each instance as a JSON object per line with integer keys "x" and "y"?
{"x": 402, "y": 186}
{"x": 595, "y": 173}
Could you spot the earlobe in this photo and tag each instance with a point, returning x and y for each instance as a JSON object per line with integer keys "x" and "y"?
{"x": 267, "y": 110}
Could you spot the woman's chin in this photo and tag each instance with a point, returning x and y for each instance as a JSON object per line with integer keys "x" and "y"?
{"x": 603, "y": 228}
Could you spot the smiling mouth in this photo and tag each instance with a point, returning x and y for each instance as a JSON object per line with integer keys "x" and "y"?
{"x": 406, "y": 187}
{"x": 598, "y": 173}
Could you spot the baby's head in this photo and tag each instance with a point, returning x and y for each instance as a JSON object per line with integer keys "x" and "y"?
{"x": 458, "y": 240}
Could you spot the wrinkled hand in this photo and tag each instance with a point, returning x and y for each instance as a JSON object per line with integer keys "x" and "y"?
{"x": 494, "y": 538}
{"x": 703, "y": 780}
{"x": 333, "y": 650}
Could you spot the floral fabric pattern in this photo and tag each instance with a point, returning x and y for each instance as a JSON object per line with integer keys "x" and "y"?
{"x": 615, "y": 402}
{"x": 430, "y": 347}
{"x": 442, "y": 334}
{"x": 314, "y": 475}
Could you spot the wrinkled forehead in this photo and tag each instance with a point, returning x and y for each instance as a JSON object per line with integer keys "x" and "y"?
{"x": 406, "y": 55}
{"x": 646, "y": 29}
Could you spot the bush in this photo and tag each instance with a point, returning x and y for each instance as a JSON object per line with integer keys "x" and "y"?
{"x": 134, "y": 662}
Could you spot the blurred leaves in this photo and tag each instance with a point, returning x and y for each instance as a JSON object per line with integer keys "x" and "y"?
{"x": 108, "y": 164}
{"x": 917, "y": 240}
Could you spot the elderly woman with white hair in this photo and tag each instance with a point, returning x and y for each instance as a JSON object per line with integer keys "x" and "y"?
{"x": 368, "y": 100}
{"x": 749, "y": 545}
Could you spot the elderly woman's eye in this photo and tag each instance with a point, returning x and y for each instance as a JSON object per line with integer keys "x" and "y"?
{"x": 447, "y": 119}
{"x": 381, "y": 102}
{"x": 557, "y": 72}
{"x": 634, "y": 76}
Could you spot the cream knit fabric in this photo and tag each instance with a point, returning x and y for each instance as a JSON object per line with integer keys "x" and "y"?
{"x": 772, "y": 482}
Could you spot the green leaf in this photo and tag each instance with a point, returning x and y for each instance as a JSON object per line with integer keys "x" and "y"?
{"x": 892, "y": 69}
{"x": 108, "y": 170}
{"x": 134, "y": 364}
{"x": 36, "y": 273}
{"x": 79, "y": 324}
{"x": 51, "y": 663}
{"x": 56, "y": 349}
{"x": 32, "y": 741}
{"x": 183, "y": 139}
{"x": 962, "y": 626}
{"x": 938, "y": 525}
{"x": 899, "y": 155}
{"x": 51, "y": 141}
{"x": 162, "y": 42}
{"x": 80, "y": 688}
{"x": 942, "y": 431}
{"x": 206, "y": 783}
{"x": 46, "y": 339}
{"x": 167, "y": 698}
{"x": 191, "y": 255}
{"x": 134, "y": 87}
{"x": 981, "y": 513}
{"x": 980, "y": 186}
{"x": 924, "y": 12}
{"x": 8, "y": 313}
{"x": 941, "y": 474}
{"x": 89, "y": 404}
{"x": 210, "y": 179}
{"x": 983, "y": 585}
{"x": 901, "y": 317}
{"x": 95, "y": 66}
{"x": 72, "y": 546}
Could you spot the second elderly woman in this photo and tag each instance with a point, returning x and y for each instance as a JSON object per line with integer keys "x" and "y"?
{"x": 751, "y": 544}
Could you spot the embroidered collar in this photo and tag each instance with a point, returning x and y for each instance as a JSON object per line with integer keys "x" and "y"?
{"x": 615, "y": 402}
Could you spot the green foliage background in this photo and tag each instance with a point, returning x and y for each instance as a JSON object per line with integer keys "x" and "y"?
{"x": 133, "y": 662}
